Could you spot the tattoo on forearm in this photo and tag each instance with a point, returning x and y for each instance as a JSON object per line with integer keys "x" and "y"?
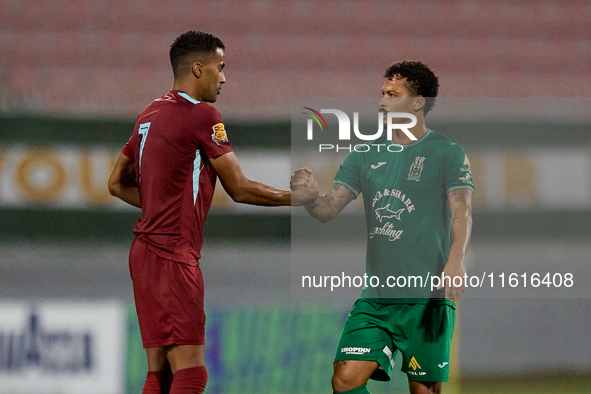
{"x": 339, "y": 196}
{"x": 335, "y": 199}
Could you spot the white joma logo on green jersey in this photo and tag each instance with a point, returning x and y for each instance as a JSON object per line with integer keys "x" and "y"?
{"x": 387, "y": 213}
{"x": 376, "y": 166}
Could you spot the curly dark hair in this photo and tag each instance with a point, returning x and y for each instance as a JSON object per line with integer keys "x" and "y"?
{"x": 189, "y": 43}
{"x": 420, "y": 80}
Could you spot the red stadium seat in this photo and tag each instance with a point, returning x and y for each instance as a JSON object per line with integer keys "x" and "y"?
{"x": 284, "y": 48}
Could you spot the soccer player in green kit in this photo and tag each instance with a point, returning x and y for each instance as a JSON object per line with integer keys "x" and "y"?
{"x": 418, "y": 210}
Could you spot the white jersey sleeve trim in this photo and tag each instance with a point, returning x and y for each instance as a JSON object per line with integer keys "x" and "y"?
{"x": 459, "y": 187}
{"x": 196, "y": 174}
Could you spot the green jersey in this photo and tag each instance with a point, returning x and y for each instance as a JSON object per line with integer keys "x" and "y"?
{"x": 406, "y": 210}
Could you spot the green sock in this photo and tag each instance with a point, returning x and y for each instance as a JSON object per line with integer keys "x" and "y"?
{"x": 357, "y": 390}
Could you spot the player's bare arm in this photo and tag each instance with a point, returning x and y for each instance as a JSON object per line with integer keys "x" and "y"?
{"x": 460, "y": 207}
{"x": 326, "y": 207}
{"x": 247, "y": 191}
{"x": 322, "y": 208}
{"x": 122, "y": 183}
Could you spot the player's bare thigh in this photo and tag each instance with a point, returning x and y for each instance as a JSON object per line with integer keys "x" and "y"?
{"x": 424, "y": 387}
{"x": 349, "y": 374}
{"x": 177, "y": 356}
{"x": 157, "y": 360}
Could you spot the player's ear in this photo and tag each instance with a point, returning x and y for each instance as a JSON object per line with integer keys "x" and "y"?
{"x": 419, "y": 103}
{"x": 197, "y": 69}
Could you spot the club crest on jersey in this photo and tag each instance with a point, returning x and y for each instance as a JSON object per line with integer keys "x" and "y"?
{"x": 415, "y": 169}
{"x": 219, "y": 134}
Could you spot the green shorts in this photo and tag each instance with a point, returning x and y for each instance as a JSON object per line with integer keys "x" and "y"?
{"x": 422, "y": 332}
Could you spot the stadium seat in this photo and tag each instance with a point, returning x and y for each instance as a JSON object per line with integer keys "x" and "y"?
{"x": 505, "y": 47}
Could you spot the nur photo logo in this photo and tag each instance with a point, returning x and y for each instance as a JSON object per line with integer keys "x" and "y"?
{"x": 391, "y": 121}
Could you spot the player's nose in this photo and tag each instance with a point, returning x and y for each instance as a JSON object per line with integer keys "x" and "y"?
{"x": 222, "y": 77}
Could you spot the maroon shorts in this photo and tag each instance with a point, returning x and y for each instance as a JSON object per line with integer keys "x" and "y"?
{"x": 168, "y": 299}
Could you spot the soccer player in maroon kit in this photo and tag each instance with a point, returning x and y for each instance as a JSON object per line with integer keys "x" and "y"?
{"x": 168, "y": 168}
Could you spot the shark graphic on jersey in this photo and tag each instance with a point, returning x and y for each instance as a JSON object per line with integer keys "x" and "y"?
{"x": 387, "y": 213}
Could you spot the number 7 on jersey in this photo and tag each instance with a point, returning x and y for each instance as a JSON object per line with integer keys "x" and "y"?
{"x": 143, "y": 131}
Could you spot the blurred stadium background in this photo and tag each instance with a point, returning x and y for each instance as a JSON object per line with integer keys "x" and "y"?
{"x": 75, "y": 73}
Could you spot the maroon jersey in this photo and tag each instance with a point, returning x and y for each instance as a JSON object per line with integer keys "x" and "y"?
{"x": 170, "y": 146}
